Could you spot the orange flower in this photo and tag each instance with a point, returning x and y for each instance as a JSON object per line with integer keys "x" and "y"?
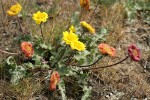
{"x": 85, "y": 4}
{"x": 106, "y": 49}
{"x": 55, "y": 78}
{"x": 27, "y": 49}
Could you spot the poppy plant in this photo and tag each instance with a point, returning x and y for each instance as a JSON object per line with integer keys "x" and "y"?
{"x": 106, "y": 49}
{"x": 27, "y": 49}
{"x": 54, "y": 80}
{"x": 134, "y": 52}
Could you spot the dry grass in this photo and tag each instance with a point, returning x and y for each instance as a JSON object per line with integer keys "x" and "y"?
{"x": 113, "y": 19}
{"x": 25, "y": 90}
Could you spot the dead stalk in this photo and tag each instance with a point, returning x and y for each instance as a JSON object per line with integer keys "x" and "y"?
{"x": 3, "y": 9}
{"x": 20, "y": 25}
{"x": 5, "y": 52}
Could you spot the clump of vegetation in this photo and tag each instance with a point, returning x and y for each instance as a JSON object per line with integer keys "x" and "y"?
{"x": 57, "y": 56}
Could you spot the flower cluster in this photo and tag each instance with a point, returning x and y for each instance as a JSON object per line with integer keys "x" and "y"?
{"x": 54, "y": 80}
{"x": 88, "y": 27}
{"x": 27, "y": 49}
{"x": 72, "y": 39}
{"x": 134, "y": 52}
{"x": 85, "y": 4}
{"x": 106, "y": 49}
{"x": 40, "y": 17}
{"x": 14, "y": 9}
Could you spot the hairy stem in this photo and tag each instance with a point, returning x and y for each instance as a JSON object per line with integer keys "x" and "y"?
{"x": 41, "y": 31}
{"x": 61, "y": 56}
{"x": 93, "y": 68}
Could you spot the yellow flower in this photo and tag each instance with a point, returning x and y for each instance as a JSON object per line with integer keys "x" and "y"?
{"x": 88, "y": 27}
{"x": 72, "y": 39}
{"x": 14, "y": 9}
{"x": 40, "y": 17}
{"x": 85, "y": 4}
{"x": 72, "y": 29}
{"x": 69, "y": 37}
{"x": 78, "y": 45}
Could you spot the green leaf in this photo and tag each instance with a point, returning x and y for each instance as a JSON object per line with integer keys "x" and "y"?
{"x": 23, "y": 37}
{"x": 17, "y": 74}
{"x": 67, "y": 71}
{"x": 103, "y": 30}
{"x": 10, "y": 61}
{"x": 44, "y": 46}
{"x": 37, "y": 59}
{"x": 29, "y": 65}
{"x": 45, "y": 66}
{"x": 61, "y": 87}
{"x": 87, "y": 92}
{"x": 82, "y": 55}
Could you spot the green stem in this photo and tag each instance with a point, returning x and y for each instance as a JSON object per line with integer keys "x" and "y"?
{"x": 41, "y": 31}
{"x": 61, "y": 56}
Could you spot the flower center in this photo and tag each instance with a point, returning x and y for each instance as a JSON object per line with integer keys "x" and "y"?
{"x": 28, "y": 48}
{"x": 107, "y": 49}
{"x": 55, "y": 82}
{"x": 135, "y": 52}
